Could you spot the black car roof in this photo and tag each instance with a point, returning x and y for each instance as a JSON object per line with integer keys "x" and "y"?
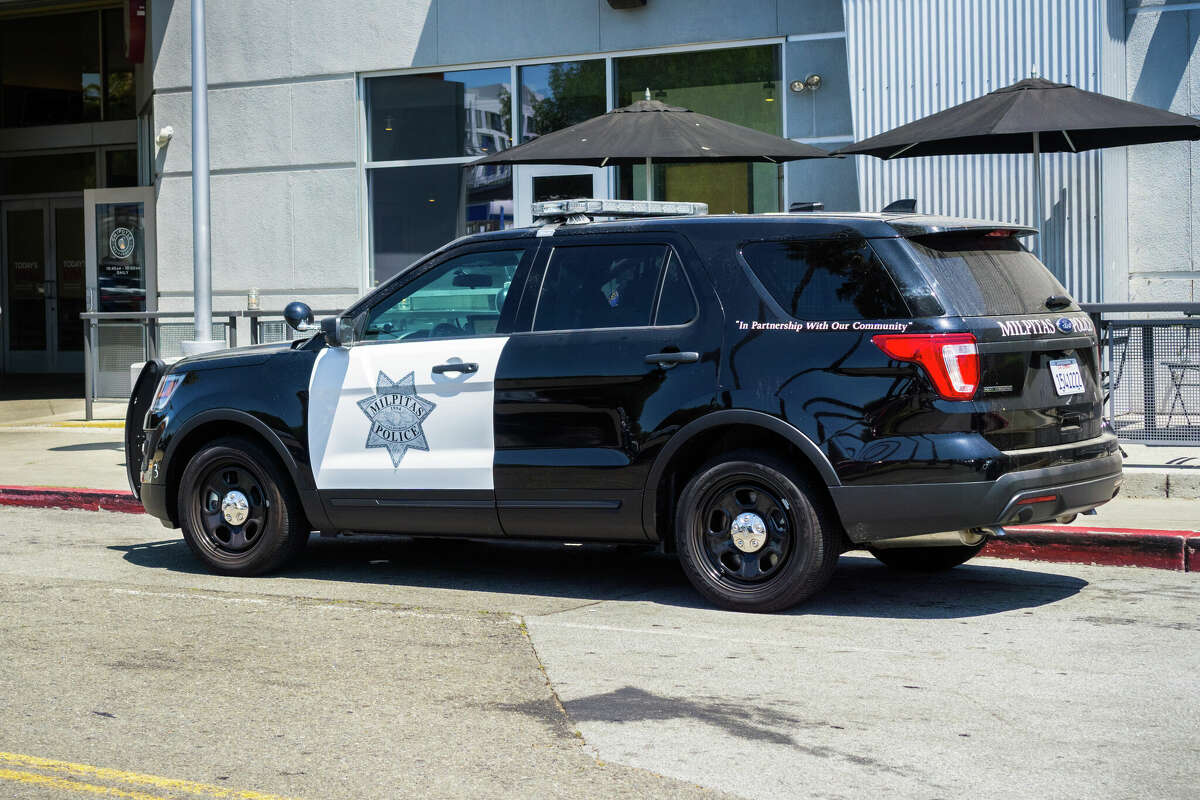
{"x": 804, "y": 224}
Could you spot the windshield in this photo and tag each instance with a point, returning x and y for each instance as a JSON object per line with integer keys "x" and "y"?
{"x": 976, "y": 275}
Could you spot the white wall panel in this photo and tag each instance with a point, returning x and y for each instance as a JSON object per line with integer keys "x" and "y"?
{"x": 911, "y": 58}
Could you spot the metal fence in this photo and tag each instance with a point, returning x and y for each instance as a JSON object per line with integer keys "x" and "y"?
{"x": 1152, "y": 370}
{"x": 114, "y": 341}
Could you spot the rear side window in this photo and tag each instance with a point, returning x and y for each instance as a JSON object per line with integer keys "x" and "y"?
{"x": 834, "y": 279}
{"x": 611, "y": 286}
{"x": 977, "y": 276}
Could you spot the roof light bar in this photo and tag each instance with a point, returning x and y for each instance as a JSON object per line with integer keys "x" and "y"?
{"x": 616, "y": 208}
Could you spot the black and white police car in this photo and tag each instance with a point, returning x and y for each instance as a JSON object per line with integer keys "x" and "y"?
{"x": 757, "y": 393}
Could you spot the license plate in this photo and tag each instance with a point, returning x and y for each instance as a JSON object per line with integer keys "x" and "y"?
{"x": 1067, "y": 377}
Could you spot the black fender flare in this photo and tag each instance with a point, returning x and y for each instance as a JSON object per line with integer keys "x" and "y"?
{"x": 301, "y": 475}
{"x": 715, "y": 419}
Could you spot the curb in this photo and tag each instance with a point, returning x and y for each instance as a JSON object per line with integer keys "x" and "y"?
{"x": 1116, "y": 547}
{"x": 62, "y": 497}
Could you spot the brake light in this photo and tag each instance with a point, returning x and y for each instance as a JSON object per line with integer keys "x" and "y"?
{"x": 950, "y": 359}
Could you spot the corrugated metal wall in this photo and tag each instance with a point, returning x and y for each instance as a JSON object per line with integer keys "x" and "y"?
{"x": 911, "y": 58}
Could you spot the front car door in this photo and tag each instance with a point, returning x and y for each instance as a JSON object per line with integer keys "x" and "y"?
{"x": 400, "y": 421}
{"x": 619, "y": 350}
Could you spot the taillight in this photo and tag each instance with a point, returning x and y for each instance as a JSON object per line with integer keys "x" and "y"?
{"x": 950, "y": 359}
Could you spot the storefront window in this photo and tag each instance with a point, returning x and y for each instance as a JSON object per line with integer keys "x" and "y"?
{"x": 120, "y": 168}
{"x": 415, "y": 210}
{"x": 556, "y": 96}
{"x": 64, "y": 69}
{"x": 439, "y": 115}
{"x": 739, "y": 85}
{"x": 61, "y": 172}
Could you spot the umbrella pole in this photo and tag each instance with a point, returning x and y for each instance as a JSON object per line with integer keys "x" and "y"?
{"x": 1037, "y": 191}
{"x": 649, "y": 181}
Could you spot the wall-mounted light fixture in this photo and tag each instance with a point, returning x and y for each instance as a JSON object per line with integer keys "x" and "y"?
{"x": 164, "y": 135}
{"x": 809, "y": 84}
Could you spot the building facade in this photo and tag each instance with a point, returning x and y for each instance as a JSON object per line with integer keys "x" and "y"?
{"x": 342, "y": 131}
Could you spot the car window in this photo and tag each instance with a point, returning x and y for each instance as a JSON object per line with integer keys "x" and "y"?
{"x": 459, "y": 297}
{"x": 986, "y": 275}
{"x": 599, "y": 286}
{"x": 676, "y": 303}
{"x": 827, "y": 279}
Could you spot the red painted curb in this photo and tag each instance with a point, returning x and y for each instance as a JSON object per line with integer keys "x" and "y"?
{"x": 62, "y": 497}
{"x": 1118, "y": 547}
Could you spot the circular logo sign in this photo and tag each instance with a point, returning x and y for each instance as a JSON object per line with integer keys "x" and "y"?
{"x": 121, "y": 243}
{"x": 1065, "y": 325}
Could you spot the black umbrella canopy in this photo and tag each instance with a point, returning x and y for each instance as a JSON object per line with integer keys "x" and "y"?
{"x": 649, "y": 129}
{"x": 1065, "y": 118}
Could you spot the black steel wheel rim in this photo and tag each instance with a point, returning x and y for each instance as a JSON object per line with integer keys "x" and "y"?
{"x": 715, "y": 514}
{"x": 217, "y": 533}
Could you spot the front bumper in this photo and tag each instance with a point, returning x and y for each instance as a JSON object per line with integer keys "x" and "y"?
{"x": 869, "y": 513}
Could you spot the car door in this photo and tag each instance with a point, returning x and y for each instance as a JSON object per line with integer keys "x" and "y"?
{"x": 620, "y": 349}
{"x": 400, "y": 421}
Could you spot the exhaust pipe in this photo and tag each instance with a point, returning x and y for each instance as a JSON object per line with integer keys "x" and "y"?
{"x": 969, "y": 538}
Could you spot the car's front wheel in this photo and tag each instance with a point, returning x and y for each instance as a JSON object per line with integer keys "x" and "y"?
{"x": 753, "y": 534}
{"x": 238, "y": 510}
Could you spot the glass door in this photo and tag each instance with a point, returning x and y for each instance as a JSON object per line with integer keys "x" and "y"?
{"x": 28, "y": 289}
{"x": 535, "y": 183}
{"x": 43, "y": 272}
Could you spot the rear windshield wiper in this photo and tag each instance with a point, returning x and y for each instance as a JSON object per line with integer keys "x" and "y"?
{"x": 1056, "y": 301}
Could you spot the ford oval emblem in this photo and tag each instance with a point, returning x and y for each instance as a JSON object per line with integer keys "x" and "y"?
{"x": 1065, "y": 325}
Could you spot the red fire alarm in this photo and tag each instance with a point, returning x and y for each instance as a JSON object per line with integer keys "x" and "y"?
{"x": 135, "y": 31}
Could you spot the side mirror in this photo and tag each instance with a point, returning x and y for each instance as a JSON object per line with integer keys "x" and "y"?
{"x": 299, "y": 317}
{"x": 339, "y": 331}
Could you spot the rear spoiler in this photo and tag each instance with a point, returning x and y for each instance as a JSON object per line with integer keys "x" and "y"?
{"x": 927, "y": 225}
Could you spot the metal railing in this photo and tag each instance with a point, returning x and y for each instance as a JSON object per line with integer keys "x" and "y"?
{"x": 116, "y": 340}
{"x": 1152, "y": 370}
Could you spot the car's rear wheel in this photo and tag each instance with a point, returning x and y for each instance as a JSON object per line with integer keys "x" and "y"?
{"x": 753, "y": 535}
{"x": 238, "y": 510}
{"x": 927, "y": 559}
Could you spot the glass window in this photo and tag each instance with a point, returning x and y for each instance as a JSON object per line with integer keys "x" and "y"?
{"x": 676, "y": 303}
{"x": 740, "y": 85}
{"x": 556, "y": 96}
{"x": 415, "y": 210}
{"x": 119, "y": 97}
{"x": 64, "y": 172}
{"x": 828, "y": 280}
{"x": 978, "y": 275}
{"x": 599, "y": 286}
{"x": 460, "y": 297}
{"x": 439, "y": 115}
{"x": 120, "y": 168}
{"x": 50, "y": 70}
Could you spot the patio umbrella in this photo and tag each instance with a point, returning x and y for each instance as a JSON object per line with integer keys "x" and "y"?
{"x": 1030, "y": 116}
{"x": 649, "y": 131}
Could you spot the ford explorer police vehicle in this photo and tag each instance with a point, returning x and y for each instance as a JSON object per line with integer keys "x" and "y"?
{"x": 756, "y": 393}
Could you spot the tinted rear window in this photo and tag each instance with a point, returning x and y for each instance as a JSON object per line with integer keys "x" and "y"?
{"x": 835, "y": 279}
{"x": 978, "y": 276}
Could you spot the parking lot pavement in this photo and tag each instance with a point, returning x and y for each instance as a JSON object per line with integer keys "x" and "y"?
{"x": 384, "y": 668}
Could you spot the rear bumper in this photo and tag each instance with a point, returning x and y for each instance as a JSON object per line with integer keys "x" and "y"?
{"x": 887, "y": 511}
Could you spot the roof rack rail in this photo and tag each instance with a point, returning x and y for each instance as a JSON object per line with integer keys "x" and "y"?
{"x": 584, "y": 209}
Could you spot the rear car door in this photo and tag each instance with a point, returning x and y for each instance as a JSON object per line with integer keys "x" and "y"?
{"x": 620, "y": 348}
{"x": 400, "y": 421}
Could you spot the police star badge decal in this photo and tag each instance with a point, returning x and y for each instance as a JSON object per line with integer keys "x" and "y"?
{"x": 396, "y": 412}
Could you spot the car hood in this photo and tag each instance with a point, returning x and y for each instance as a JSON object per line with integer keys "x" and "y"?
{"x": 231, "y": 357}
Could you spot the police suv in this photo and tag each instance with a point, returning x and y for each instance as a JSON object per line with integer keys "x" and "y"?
{"x": 757, "y": 393}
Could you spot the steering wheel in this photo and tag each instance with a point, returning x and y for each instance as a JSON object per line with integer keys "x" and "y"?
{"x": 445, "y": 329}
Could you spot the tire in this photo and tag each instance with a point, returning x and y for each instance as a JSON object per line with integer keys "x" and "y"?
{"x": 796, "y": 549}
{"x": 927, "y": 559}
{"x": 274, "y": 529}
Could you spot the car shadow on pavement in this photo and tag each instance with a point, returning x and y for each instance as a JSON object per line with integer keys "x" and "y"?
{"x": 861, "y": 586}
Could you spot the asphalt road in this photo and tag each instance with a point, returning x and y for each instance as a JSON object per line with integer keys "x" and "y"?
{"x": 395, "y": 668}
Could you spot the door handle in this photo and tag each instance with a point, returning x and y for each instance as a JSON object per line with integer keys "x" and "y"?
{"x": 467, "y": 367}
{"x": 663, "y": 359}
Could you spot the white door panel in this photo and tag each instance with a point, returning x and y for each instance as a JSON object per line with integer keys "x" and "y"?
{"x": 380, "y": 418}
